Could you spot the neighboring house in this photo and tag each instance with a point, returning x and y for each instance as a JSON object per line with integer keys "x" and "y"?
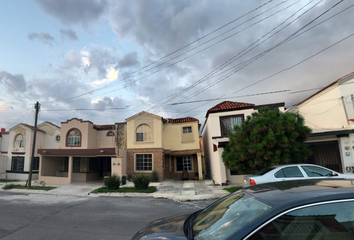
{"x": 87, "y": 152}
{"x": 167, "y": 146}
{"x": 330, "y": 114}
{"x": 4, "y": 142}
{"x": 20, "y": 144}
{"x": 219, "y": 122}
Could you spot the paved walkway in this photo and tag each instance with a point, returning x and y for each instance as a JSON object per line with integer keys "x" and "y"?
{"x": 176, "y": 190}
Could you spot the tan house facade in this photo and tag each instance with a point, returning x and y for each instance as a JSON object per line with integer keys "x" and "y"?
{"x": 330, "y": 114}
{"x": 87, "y": 152}
{"x": 168, "y": 146}
{"x": 220, "y": 121}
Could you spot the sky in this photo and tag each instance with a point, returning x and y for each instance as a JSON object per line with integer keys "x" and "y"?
{"x": 106, "y": 60}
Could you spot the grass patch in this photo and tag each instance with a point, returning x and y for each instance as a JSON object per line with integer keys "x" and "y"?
{"x": 7, "y": 180}
{"x": 18, "y": 186}
{"x": 125, "y": 190}
{"x": 232, "y": 189}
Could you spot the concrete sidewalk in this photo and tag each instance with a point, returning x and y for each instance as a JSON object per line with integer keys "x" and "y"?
{"x": 176, "y": 190}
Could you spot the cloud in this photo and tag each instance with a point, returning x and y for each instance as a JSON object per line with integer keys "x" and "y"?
{"x": 129, "y": 60}
{"x": 15, "y": 83}
{"x": 67, "y": 33}
{"x": 74, "y": 12}
{"x": 46, "y": 38}
{"x": 100, "y": 59}
{"x": 73, "y": 59}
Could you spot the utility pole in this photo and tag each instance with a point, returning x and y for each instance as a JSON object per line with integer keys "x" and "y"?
{"x": 37, "y": 107}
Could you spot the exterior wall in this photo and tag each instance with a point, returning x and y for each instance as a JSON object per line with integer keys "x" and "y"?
{"x": 157, "y": 161}
{"x": 346, "y": 88}
{"x": 156, "y": 126}
{"x": 105, "y": 141}
{"x": 4, "y": 143}
{"x": 175, "y": 139}
{"x": 84, "y": 128}
{"x": 324, "y": 111}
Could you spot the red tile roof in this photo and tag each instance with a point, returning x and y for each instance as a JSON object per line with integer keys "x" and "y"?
{"x": 52, "y": 124}
{"x": 228, "y": 105}
{"x": 104, "y": 127}
{"x": 179, "y": 120}
{"x": 31, "y": 127}
{"x": 324, "y": 88}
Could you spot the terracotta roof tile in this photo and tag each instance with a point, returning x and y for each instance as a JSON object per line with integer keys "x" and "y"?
{"x": 104, "y": 127}
{"x": 228, "y": 105}
{"x": 31, "y": 127}
{"x": 179, "y": 120}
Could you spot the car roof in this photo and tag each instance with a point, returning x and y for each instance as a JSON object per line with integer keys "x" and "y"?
{"x": 287, "y": 194}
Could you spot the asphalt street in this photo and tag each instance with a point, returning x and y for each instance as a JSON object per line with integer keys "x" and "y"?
{"x": 41, "y": 216}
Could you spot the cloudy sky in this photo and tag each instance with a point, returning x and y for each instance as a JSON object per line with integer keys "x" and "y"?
{"x": 106, "y": 60}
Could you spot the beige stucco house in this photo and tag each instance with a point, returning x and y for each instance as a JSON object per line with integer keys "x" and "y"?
{"x": 219, "y": 121}
{"x": 20, "y": 143}
{"x": 330, "y": 114}
{"x": 86, "y": 152}
{"x": 167, "y": 146}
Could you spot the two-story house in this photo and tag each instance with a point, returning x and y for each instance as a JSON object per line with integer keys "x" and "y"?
{"x": 20, "y": 144}
{"x": 220, "y": 121}
{"x": 167, "y": 146}
{"x": 86, "y": 152}
{"x": 330, "y": 114}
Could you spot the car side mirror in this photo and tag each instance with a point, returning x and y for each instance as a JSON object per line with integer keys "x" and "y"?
{"x": 334, "y": 174}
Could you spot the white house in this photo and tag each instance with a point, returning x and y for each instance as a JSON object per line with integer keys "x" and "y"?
{"x": 20, "y": 144}
{"x": 330, "y": 114}
{"x": 220, "y": 120}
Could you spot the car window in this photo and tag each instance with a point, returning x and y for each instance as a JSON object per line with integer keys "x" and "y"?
{"x": 313, "y": 171}
{"x": 325, "y": 222}
{"x": 288, "y": 172}
{"x": 225, "y": 217}
{"x": 264, "y": 171}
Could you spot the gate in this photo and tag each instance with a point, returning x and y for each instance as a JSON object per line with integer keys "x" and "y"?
{"x": 326, "y": 154}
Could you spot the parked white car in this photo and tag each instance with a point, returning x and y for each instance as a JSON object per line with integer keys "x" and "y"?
{"x": 292, "y": 172}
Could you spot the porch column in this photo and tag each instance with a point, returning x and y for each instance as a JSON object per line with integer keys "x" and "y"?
{"x": 70, "y": 168}
{"x": 200, "y": 166}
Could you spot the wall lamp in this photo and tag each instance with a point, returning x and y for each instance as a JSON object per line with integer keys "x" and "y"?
{"x": 101, "y": 151}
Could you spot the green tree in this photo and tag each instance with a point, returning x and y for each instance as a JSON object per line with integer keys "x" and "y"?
{"x": 267, "y": 138}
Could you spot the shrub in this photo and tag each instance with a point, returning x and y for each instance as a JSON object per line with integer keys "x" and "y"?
{"x": 9, "y": 186}
{"x": 113, "y": 182}
{"x": 154, "y": 177}
{"x": 141, "y": 181}
{"x": 129, "y": 177}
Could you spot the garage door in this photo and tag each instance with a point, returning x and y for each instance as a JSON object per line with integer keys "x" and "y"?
{"x": 326, "y": 154}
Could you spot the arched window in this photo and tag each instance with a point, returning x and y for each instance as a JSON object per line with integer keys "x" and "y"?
{"x": 143, "y": 133}
{"x": 73, "y": 138}
{"x": 19, "y": 141}
{"x": 110, "y": 134}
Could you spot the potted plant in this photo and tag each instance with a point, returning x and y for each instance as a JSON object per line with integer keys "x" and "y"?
{"x": 196, "y": 177}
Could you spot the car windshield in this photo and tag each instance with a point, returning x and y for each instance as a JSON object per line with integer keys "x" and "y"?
{"x": 264, "y": 171}
{"x": 228, "y": 215}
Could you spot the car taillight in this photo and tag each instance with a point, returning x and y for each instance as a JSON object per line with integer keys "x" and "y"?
{"x": 252, "y": 182}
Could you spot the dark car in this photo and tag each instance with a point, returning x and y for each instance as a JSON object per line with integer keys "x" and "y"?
{"x": 293, "y": 210}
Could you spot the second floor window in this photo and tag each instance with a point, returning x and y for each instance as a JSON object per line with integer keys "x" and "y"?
{"x": 187, "y": 129}
{"x": 74, "y": 138}
{"x": 143, "y": 133}
{"x": 228, "y": 123}
{"x": 19, "y": 141}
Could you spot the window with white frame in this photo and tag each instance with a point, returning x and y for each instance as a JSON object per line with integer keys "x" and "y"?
{"x": 184, "y": 163}
{"x": 17, "y": 164}
{"x": 228, "y": 123}
{"x": 143, "y": 162}
{"x": 19, "y": 141}
{"x": 74, "y": 138}
{"x": 187, "y": 129}
{"x": 143, "y": 133}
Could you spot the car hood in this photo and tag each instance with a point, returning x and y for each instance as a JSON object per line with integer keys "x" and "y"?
{"x": 164, "y": 228}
